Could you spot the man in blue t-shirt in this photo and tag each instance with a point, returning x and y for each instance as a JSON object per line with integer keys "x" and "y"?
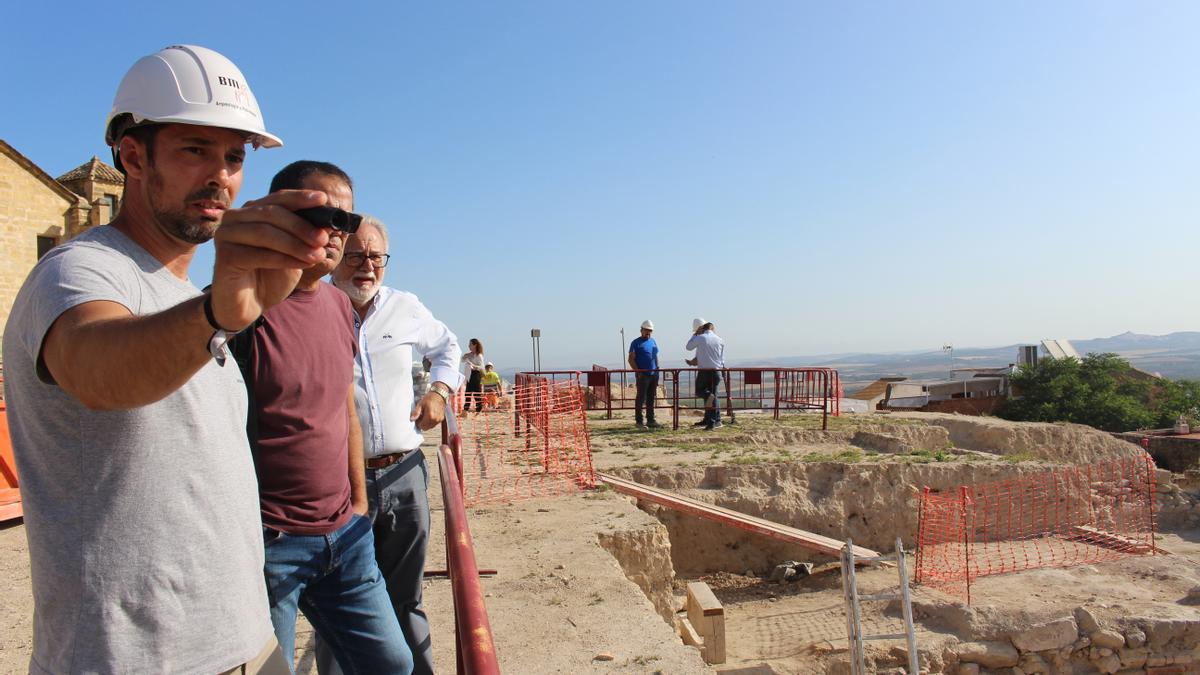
{"x": 643, "y": 357}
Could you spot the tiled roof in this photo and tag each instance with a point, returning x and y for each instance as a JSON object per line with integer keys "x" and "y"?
{"x": 96, "y": 169}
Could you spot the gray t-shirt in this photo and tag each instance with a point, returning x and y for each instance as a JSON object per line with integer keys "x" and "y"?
{"x": 143, "y": 525}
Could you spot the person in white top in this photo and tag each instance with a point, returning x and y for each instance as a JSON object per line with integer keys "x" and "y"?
{"x": 710, "y": 356}
{"x": 394, "y": 327}
{"x": 473, "y": 370}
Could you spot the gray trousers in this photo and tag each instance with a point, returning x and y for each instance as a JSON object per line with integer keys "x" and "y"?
{"x": 399, "y": 508}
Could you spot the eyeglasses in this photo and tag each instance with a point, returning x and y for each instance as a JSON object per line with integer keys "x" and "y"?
{"x": 377, "y": 259}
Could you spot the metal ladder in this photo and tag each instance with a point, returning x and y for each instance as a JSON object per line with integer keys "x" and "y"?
{"x": 853, "y": 614}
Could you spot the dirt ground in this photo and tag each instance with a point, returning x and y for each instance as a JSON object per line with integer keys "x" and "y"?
{"x": 559, "y": 603}
{"x": 562, "y": 602}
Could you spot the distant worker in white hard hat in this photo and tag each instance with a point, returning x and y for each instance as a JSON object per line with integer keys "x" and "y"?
{"x": 643, "y": 357}
{"x": 140, "y": 498}
{"x": 710, "y": 358}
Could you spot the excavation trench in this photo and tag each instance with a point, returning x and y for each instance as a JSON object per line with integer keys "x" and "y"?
{"x": 1082, "y": 613}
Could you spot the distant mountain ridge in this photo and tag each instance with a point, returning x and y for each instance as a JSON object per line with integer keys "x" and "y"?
{"x": 1176, "y": 355}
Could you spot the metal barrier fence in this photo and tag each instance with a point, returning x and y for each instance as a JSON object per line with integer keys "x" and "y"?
{"x": 774, "y": 389}
{"x": 475, "y": 648}
{"x": 532, "y": 442}
{"x": 1060, "y": 518}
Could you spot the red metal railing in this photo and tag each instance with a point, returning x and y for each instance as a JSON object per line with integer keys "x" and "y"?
{"x": 774, "y": 389}
{"x": 475, "y": 648}
{"x": 1059, "y": 518}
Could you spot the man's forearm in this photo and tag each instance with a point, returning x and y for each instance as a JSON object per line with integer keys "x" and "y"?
{"x": 356, "y": 466}
{"x": 110, "y": 359}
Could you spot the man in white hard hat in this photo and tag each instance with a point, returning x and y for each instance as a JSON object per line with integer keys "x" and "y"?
{"x": 710, "y": 357}
{"x": 393, "y": 327}
{"x": 643, "y": 357}
{"x": 141, "y": 505}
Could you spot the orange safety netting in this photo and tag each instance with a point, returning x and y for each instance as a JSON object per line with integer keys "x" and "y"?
{"x": 532, "y": 441}
{"x": 1061, "y": 518}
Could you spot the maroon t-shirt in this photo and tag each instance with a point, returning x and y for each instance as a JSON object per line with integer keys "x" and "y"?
{"x": 302, "y": 363}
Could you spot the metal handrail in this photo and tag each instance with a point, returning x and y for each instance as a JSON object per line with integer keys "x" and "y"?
{"x": 807, "y": 388}
{"x": 475, "y": 648}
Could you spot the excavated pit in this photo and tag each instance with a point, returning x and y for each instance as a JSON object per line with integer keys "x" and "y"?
{"x": 1127, "y": 615}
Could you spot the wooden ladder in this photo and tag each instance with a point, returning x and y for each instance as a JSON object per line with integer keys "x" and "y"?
{"x": 853, "y": 613}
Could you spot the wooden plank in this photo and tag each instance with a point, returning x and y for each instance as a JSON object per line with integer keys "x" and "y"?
{"x": 810, "y": 540}
{"x": 1111, "y": 540}
{"x": 688, "y": 632}
{"x": 707, "y": 616}
{"x": 702, "y": 597}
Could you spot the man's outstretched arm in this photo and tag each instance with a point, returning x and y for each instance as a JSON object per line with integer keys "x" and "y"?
{"x": 109, "y": 359}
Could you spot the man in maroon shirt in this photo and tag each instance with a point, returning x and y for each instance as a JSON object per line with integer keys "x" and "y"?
{"x": 320, "y": 556}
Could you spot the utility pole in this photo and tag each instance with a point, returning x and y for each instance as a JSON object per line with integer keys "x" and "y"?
{"x": 621, "y": 364}
{"x": 949, "y": 348}
{"x": 536, "y": 336}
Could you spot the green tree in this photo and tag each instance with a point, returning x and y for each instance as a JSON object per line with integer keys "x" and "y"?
{"x": 1100, "y": 390}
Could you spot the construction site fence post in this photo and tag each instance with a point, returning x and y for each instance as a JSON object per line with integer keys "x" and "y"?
{"x": 966, "y": 540}
{"x": 825, "y": 402}
{"x": 1152, "y": 490}
{"x": 921, "y": 533}
{"x": 728, "y": 395}
{"x": 608, "y": 399}
{"x": 775, "y": 406}
{"x": 675, "y": 403}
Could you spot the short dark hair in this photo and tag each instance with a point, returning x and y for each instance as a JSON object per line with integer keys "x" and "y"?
{"x": 142, "y": 133}
{"x": 291, "y": 177}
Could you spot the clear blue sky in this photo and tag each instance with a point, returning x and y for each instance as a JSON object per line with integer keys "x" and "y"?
{"x": 813, "y": 178}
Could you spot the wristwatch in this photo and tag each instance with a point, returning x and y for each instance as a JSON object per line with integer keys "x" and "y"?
{"x": 443, "y": 391}
{"x": 216, "y": 346}
{"x": 216, "y": 343}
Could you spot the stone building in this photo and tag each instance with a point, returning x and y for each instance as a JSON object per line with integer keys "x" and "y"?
{"x": 37, "y": 212}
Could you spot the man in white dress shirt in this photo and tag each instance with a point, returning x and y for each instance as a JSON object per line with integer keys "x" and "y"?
{"x": 394, "y": 328}
{"x": 710, "y": 357}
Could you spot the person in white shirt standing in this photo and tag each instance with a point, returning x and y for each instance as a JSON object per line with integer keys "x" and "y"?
{"x": 473, "y": 366}
{"x": 710, "y": 357}
{"x": 393, "y": 328}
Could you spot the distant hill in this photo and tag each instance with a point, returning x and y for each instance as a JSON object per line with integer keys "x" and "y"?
{"x": 1176, "y": 356}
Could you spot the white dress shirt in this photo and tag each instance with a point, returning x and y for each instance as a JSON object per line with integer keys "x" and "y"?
{"x": 472, "y": 361}
{"x": 397, "y": 328}
{"x": 710, "y": 350}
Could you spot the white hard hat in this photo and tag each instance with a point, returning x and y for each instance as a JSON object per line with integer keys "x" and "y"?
{"x": 697, "y": 322}
{"x": 186, "y": 84}
{"x": 648, "y": 324}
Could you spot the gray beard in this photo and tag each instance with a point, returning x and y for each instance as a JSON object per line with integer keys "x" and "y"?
{"x": 358, "y": 296}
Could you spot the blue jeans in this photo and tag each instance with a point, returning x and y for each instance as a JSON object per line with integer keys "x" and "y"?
{"x": 399, "y": 506}
{"x": 334, "y": 580}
